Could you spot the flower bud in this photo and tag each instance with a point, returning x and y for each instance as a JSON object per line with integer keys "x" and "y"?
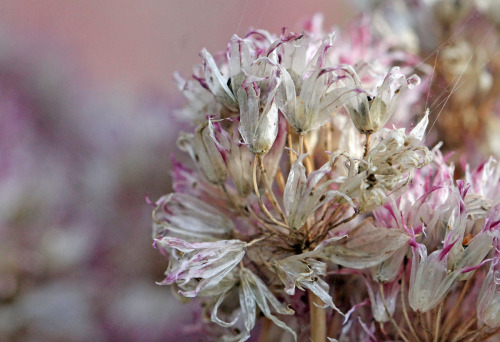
{"x": 370, "y": 113}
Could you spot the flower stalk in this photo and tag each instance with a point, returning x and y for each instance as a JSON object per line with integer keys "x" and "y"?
{"x": 317, "y": 314}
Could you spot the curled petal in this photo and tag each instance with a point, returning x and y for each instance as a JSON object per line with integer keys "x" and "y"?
{"x": 305, "y": 273}
{"x": 256, "y": 291}
{"x": 186, "y": 217}
{"x": 217, "y": 83}
{"x": 206, "y": 263}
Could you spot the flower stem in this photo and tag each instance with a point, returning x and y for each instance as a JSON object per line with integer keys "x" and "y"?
{"x": 318, "y": 318}
{"x": 438, "y": 321}
{"x": 261, "y": 204}
{"x": 403, "y": 304}
{"x": 387, "y": 312}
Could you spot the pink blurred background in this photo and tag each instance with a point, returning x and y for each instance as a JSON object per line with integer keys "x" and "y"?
{"x": 136, "y": 44}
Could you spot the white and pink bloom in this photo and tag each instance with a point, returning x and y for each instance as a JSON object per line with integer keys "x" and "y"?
{"x": 299, "y": 185}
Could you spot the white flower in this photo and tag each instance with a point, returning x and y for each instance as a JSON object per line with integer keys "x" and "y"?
{"x": 389, "y": 165}
{"x": 258, "y": 114}
{"x": 236, "y": 156}
{"x": 202, "y": 149}
{"x": 203, "y": 265}
{"x": 305, "y": 272}
{"x": 430, "y": 279}
{"x": 304, "y": 195}
{"x": 216, "y": 82}
{"x": 254, "y": 293}
{"x": 320, "y": 95}
{"x": 391, "y": 291}
{"x": 488, "y": 302}
{"x": 365, "y": 246}
{"x": 200, "y": 101}
{"x": 186, "y": 217}
{"x": 371, "y": 112}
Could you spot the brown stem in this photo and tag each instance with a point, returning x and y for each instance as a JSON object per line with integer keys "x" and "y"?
{"x": 261, "y": 204}
{"x": 325, "y": 232}
{"x": 450, "y": 320}
{"x": 308, "y": 161}
{"x": 396, "y": 326}
{"x": 266, "y": 327}
{"x": 403, "y": 303}
{"x": 280, "y": 180}
{"x": 318, "y": 318}
{"x": 367, "y": 145}
{"x": 422, "y": 325}
{"x": 291, "y": 154}
{"x": 438, "y": 322}
{"x": 464, "y": 329}
{"x": 485, "y": 336}
{"x": 269, "y": 190}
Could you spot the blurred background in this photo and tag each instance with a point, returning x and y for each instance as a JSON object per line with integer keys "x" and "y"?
{"x": 85, "y": 135}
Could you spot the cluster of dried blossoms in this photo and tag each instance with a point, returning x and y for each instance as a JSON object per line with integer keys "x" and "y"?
{"x": 306, "y": 219}
{"x": 460, "y": 39}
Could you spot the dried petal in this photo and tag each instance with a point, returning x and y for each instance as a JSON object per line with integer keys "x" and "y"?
{"x": 366, "y": 246}
{"x": 204, "y": 263}
{"x": 488, "y": 302}
{"x": 303, "y": 196}
{"x": 430, "y": 279}
{"x": 188, "y": 218}
{"x": 202, "y": 149}
{"x": 305, "y": 273}
{"x": 255, "y": 292}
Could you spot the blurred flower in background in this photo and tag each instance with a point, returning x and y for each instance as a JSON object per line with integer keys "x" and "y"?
{"x": 458, "y": 43}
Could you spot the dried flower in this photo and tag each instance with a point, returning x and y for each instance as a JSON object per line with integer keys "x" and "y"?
{"x": 296, "y": 166}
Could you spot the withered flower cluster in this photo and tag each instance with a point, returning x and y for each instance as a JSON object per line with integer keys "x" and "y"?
{"x": 305, "y": 218}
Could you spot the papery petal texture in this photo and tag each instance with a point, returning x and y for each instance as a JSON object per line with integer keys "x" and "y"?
{"x": 206, "y": 263}
{"x": 186, "y": 217}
